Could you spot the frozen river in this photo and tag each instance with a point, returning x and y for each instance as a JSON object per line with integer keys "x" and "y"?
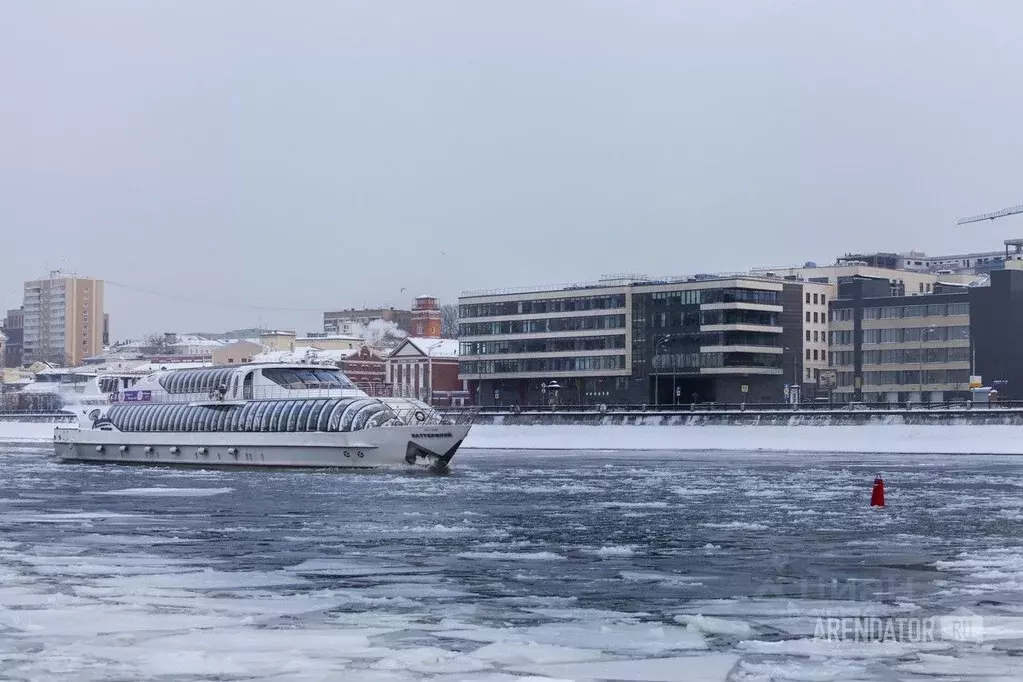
{"x": 524, "y": 565}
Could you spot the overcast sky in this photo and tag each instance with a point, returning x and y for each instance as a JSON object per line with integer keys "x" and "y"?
{"x": 318, "y": 155}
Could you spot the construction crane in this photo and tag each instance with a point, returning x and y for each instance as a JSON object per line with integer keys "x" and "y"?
{"x": 1012, "y": 210}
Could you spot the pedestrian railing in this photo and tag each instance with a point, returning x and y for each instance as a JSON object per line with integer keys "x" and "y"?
{"x": 878, "y": 407}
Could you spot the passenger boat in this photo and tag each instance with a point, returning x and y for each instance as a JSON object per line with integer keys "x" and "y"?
{"x": 272, "y": 415}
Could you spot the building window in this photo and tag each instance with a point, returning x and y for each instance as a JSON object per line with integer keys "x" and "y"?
{"x": 807, "y": 353}
{"x": 807, "y": 315}
{"x": 816, "y": 336}
{"x": 815, "y": 317}
{"x": 815, "y": 299}
{"x": 824, "y": 355}
{"x": 808, "y": 297}
{"x": 815, "y": 354}
{"x": 823, "y": 299}
{"x": 807, "y": 334}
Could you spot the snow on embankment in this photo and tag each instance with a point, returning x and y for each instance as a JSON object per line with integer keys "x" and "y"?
{"x": 24, "y": 431}
{"x": 890, "y": 438}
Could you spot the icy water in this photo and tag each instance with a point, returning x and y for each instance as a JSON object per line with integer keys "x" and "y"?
{"x": 617, "y": 566}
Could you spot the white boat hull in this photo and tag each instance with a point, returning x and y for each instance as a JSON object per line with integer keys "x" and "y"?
{"x": 390, "y": 447}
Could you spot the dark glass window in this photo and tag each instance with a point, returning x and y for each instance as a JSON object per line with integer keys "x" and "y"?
{"x": 301, "y": 379}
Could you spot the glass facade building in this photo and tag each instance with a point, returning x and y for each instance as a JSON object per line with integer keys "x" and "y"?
{"x": 639, "y": 341}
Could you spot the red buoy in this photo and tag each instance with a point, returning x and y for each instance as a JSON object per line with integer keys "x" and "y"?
{"x": 877, "y": 494}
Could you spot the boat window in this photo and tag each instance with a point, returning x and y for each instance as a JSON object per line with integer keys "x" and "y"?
{"x": 247, "y": 386}
{"x": 302, "y": 378}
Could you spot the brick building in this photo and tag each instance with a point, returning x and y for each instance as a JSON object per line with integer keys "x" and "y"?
{"x": 368, "y": 370}
{"x": 426, "y": 318}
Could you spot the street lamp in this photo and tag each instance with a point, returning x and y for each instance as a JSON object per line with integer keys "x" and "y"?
{"x": 924, "y": 333}
{"x": 674, "y": 371}
{"x": 430, "y": 371}
{"x": 796, "y": 390}
{"x": 553, "y": 386}
{"x": 658, "y": 344}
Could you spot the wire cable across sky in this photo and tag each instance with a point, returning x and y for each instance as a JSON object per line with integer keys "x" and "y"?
{"x": 204, "y": 300}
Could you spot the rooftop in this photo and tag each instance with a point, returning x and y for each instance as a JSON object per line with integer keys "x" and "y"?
{"x": 613, "y": 281}
{"x": 437, "y": 348}
{"x": 308, "y": 355}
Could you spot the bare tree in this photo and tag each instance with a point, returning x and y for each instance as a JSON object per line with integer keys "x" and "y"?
{"x": 157, "y": 344}
{"x": 449, "y": 321}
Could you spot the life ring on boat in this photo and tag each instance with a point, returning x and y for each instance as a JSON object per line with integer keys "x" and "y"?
{"x": 515, "y": 409}
{"x": 420, "y": 417}
{"x": 602, "y": 408}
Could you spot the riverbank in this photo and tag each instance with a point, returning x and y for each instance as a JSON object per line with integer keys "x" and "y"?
{"x": 888, "y": 439}
{"x": 758, "y": 416}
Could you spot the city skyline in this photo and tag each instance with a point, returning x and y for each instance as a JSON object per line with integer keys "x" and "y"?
{"x": 287, "y": 157}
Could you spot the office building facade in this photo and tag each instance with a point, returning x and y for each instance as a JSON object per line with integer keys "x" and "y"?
{"x": 14, "y": 330}
{"x": 63, "y": 319}
{"x": 926, "y": 348}
{"x": 725, "y": 340}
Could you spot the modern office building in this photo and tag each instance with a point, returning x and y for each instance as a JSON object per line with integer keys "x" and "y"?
{"x": 14, "y": 330}
{"x": 925, "y": 348}
{"x": 901, "y": 282}
{"x": 973, "y": 263}
{"x": 63, "y": 322}
{"x": 632, "y": 339}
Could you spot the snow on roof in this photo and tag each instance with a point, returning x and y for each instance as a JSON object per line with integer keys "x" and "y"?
{"x": 195, "y": 341}
{"x": 157, "y": 366}
{"x": 318, "y": 335}
{"x": 65, "y": 370}
{"x": 436, "y": 348}
{"x": 306, "y": 354}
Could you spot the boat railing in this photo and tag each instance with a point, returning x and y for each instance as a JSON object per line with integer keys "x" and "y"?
{"x": 141, "y": 396}
{"x": 406, "y": 412}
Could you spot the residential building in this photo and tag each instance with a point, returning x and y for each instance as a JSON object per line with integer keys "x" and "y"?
{"x": 195, "y": 346}
{"x": 63, "y": 319}
{"x": 14, "y": 330}
{"x": 426, "y": 318}
{"x": 975, "y": 263}
{"x": 901, "y": 282}
{"x": 237, "y": 352}
{"x": 325, "y": 341}
{"x": 276, "y": 340}
{"x": 350, "y": 321}
{"x": 419, "y": 367}
{"x": 816, "y": 296}
{"x": 926, "y": 348}
{"x": 632, "y": 339}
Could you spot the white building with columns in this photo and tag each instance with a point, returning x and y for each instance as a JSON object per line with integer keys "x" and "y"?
{"x": 417, "y": 367}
